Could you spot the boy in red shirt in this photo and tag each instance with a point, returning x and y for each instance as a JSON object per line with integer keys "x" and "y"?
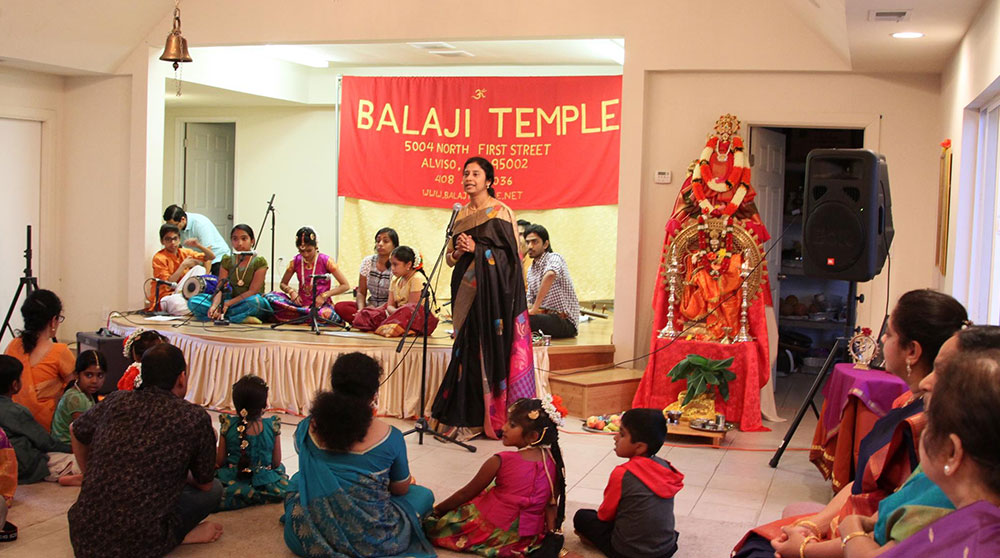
{"x": 636, "y": 518}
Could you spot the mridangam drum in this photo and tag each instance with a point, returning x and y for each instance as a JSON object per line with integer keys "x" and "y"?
{"x": 199, "y": 284}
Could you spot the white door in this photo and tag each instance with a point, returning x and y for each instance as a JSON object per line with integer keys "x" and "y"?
{"x": 20, "y": 173}
{"x": 209, "y": 162}
{"x": 767, "y": 152}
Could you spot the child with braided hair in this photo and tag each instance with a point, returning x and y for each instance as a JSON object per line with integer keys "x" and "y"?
{"x": 137, "y": 343}
{"x": 249, "y": 454}
{"x": 517, "y": 499}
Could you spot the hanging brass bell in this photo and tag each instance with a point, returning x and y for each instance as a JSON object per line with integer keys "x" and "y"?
{"x": 176, "y": 49}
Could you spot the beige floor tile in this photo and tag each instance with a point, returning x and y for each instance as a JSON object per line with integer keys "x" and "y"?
{"x": 726, "y": 491}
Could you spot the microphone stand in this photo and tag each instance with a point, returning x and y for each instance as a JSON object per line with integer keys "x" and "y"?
{"x": 421, "y": 426}
{"x": 268, "y": 212}
{"x": 313, "y": 317}
{"x": 27, "y": 283}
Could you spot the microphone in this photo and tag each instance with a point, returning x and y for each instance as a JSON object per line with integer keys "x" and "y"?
{"x": 454, "y": 213}
{"x": 167, "y": 283}
{"x": 321, "y": 275}
{"x": 247, "y": 253}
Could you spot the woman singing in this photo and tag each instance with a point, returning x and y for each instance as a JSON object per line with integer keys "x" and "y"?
{"x": 491, "y": 360}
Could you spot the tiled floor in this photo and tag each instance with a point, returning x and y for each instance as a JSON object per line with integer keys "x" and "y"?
{"x": 726, "y": 490}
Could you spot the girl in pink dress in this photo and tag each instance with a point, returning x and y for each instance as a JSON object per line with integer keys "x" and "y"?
{"x": 293, "y": 303}
{"x": 517, "y": 498}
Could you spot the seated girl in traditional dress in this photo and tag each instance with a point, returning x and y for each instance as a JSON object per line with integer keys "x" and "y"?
{"x": 353, "y": 495}
{"x": 373, "y": 278}
{"x": 240, "y": 294}
{"x": 135, "y": 345}
{"x": 79, "y": 396}
{"x": 516, "y": 497}
{"x": 390, "y": 319}
{"x": 78, "y": 399}
{"x": 291, "y": 303}
{"x": 249, "y": 456}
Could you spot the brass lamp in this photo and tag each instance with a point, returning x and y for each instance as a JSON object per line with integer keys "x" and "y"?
{"x": 176, "y": 49}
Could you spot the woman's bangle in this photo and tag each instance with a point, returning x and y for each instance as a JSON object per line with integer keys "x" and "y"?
{"x": 802, "y": 547}
{"x": 809, "y": 525}
{"x": 849, "y": 536}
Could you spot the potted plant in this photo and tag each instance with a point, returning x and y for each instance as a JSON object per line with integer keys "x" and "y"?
{"x": 701, "y": 373}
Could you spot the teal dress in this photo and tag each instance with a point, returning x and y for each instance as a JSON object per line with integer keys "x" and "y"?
{"x": 339, "y": 506}
{"x": 267, "y": 484}
{"x": 253, "y": 306}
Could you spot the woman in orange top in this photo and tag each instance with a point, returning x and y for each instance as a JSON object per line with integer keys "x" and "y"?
{"x": 48, "y": 366}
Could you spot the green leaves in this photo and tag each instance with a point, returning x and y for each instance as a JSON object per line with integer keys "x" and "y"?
{"x": 701, "y": 372}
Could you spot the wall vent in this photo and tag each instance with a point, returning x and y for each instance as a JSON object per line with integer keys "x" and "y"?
{"x": 894, "y": 16}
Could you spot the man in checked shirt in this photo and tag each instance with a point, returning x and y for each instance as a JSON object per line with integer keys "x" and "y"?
{"x": 552, "y": 305}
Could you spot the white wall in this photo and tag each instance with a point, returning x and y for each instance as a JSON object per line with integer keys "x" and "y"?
{"x": 84, "y": 219}
{"x": 288, "y": 151}
{"x": 93, "y": 201}
{"x": 971, "y": 79}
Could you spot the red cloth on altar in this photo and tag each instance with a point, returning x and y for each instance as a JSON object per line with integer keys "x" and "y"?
{"x": 750, "y": 366}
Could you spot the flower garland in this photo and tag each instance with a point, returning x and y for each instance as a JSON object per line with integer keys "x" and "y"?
{"x": 138, "y": 377}
{"x": 739, "y": 176}
{"x": 550, "y": 409}
{"x": 704, "y": 250}
{"x": 127, "y": 345}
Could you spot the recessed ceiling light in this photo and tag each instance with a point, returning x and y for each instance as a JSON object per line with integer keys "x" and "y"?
{"x": 431, "y": 45}
{"x": 450, "y": 53}
{"x": 907, "y": 35}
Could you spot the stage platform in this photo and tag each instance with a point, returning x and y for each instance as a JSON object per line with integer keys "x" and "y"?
{"x": 296, "y": 362}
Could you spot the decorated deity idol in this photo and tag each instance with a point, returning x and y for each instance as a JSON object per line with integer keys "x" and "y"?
{"x": 713, "y": 224}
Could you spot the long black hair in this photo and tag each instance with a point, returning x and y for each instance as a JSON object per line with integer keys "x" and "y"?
{"x": 393, "y": 235}
{"x": 342, "y": 417}
{"x": 487, "y": 169}
{"x": 521, "y": 413}
{"x": 250, "y": 400}
{"x": 928, "y": 317}
{"x": 39, "y": 308}
{"x": 85, "y": 360}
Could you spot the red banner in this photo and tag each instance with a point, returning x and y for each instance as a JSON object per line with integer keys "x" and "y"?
{"x": 554, "y": 141}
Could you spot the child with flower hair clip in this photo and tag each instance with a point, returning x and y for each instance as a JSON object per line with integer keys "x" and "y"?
{"x": 249, "y": 454}
{"x": 517, "y": 500}
{"x": 391, "y": 318}
{"x": 137, "y": 343}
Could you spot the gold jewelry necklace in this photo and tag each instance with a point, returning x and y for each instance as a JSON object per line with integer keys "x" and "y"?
{"x": 236, "y": 272}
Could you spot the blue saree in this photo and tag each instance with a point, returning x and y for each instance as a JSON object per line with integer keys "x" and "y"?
{"x": 338, "y": 504}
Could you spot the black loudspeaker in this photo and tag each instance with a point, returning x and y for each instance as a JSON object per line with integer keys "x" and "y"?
{"x": 110, "y": 347}
{"x": 847, "y": 214}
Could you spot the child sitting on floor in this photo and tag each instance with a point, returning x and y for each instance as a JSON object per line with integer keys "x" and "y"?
{"x": 249, "y": 454}
{"x": 391, "y": 318}
{"x": 39, "y": 455}
{"x": 516, "y": 497}
{"x": 79, "y": 395}
{"x": 135, "y": 344}
{"x": 636, "y": 518}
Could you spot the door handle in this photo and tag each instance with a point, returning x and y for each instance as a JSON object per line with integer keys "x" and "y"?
{"x": 230, "y": 216}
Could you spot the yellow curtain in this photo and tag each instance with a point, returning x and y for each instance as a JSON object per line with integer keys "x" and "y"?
{"x": 585, "y": 236}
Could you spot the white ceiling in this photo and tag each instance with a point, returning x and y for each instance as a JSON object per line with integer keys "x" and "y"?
{"x": 80, "y": 37}
{"x": 943, "y": 22}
